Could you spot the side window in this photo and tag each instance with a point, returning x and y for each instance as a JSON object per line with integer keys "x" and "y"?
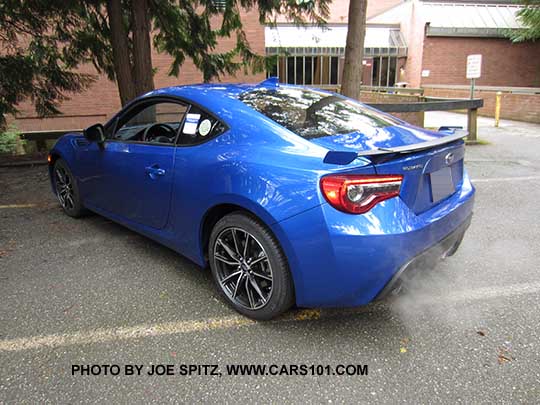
{"x": 199, "y": 126}
{"x": 155, "y": 122}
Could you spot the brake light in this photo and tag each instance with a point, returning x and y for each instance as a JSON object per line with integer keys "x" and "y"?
{"x": 357, "y": 194}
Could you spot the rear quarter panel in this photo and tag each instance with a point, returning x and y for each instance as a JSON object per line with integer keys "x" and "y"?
{"x": 249, "y": 167}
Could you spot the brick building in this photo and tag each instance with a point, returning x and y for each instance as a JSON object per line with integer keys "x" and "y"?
{"x": 421, "y": 43}
{"x": 440, "y": 35}
{"x": 314, "y": 56}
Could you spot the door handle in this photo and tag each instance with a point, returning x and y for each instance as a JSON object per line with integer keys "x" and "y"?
{"x": 154, "y": 171}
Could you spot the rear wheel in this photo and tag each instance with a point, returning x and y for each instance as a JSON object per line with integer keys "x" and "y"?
{"x": 67, "y": 190}
{"x": 249, "y": 267}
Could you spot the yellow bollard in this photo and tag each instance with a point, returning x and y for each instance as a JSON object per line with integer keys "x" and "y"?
{"x": 497, "y": 108}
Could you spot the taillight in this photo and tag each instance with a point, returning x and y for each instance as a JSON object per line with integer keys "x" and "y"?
{"x": 357, "y": 194}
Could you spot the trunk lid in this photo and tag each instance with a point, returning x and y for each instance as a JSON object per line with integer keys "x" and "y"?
{"x": 431, "y": 162}
{"x": 429, "y": 176}
{"x": 374, "y": 139}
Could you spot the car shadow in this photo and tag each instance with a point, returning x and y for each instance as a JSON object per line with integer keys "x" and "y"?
{"x": 185, "y": 269}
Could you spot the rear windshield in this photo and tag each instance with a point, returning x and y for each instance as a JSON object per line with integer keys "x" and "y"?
{"x": 314, "y": 114}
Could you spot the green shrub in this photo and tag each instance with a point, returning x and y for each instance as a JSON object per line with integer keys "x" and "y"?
{"x": 9, "y": 139}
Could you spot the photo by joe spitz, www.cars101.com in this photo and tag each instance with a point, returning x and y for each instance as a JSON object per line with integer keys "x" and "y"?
{"x": 292, "y": 196}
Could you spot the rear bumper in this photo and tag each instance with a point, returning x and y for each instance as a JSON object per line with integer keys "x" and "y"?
{"x": 425, "y": 260}
{"x": 341, "y": 260}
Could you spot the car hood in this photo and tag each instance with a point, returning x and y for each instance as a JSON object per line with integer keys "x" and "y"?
{"x": 377, "y": 137}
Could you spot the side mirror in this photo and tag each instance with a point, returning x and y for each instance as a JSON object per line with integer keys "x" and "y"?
{"x": 95, "y": 133}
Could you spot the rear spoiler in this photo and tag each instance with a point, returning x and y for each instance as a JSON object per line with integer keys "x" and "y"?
{"x": 344, "y": 157}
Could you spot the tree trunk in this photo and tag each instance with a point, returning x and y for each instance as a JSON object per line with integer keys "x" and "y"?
{"x": 142, "y": 50}
{"x": 354, "y": 50}
{"x": 120, "y": 50}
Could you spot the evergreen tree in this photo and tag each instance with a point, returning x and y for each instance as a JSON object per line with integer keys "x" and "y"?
{"x": 529, "y": 16}
{"x": 354, "y": 49}
{"x": 32, "y": 65}
{"x": 43, "y": 42}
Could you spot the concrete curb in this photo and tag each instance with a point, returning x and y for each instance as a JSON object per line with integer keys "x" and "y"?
{"x": 478, "y": 142}
{"x": 23, "y": 163}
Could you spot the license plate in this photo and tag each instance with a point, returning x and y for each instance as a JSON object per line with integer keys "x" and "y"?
{"x": 442, "y": 184}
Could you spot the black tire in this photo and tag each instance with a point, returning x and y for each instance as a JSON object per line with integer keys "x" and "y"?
{"x": 67, "y": 190}
{"x": 269, "y": 269}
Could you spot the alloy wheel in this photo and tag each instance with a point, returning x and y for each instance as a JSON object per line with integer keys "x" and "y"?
{"x": 243, "y": 268}
{"x": 64, "y": 188}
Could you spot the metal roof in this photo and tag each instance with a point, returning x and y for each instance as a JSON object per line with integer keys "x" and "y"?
{"x": 490, "y": 18}
{"x": 284, "y": 36}
{"x": 465, "y": 19}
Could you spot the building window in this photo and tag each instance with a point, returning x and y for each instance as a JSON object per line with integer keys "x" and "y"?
{"x": 289, "y": 73}
{"x": 323, "y": 66}
{"x": 309, "y": 70}
{"x": 384, "y": 71}
{"x": 334, "y": 70}
{"x": 299, "y": 70}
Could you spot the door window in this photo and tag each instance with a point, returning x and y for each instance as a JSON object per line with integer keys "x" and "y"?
{"x": 155, "y": 123}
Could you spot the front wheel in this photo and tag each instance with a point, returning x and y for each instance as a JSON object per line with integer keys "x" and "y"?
{"x": 249, "y": 267}
{"x": 67, "y": 190}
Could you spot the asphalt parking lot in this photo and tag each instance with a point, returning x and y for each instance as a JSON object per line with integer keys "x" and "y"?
{"x": 89, "y": 291}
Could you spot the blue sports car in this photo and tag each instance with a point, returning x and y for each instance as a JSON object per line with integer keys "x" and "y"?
{"x": 291, "y": 195}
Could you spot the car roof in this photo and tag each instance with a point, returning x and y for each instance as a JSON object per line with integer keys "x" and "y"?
{"x": 206, "y": 89}
{"x": 220, "y": 98}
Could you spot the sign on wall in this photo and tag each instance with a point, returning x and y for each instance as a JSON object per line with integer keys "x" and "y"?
{"x": 474, "y": 66}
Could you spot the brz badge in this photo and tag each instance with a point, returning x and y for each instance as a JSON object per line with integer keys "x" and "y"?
{"x": 449, "y": 158}
{"x": 413, "y": 167}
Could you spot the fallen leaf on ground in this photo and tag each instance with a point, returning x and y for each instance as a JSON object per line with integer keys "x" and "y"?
{"x": 504, "y": 356}
{"x": 403, "y": 343}
{"x": 307, "y": 314}
{"x": 164, "y": 295}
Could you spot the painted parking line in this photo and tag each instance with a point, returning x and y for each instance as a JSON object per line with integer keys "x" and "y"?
{"x": 482, "y": 293}
{"x": 122, "y": 333}
{"x": 17, "y": 206}
{"x": 496, "y": 179}
{"x": 192, "y": 326}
